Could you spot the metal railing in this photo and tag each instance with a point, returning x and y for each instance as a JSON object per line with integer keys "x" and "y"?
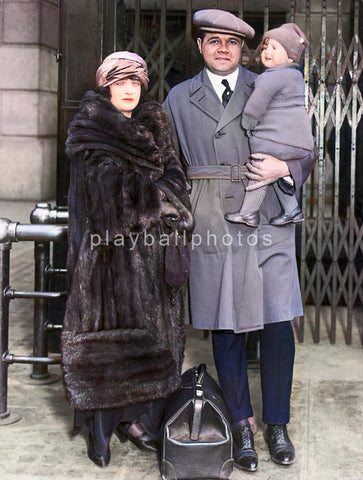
{"x": 41, "y": 233}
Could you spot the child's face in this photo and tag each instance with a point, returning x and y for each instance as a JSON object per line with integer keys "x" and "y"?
{"x": 125, "y": 95}
{"x": 273, "y": 53}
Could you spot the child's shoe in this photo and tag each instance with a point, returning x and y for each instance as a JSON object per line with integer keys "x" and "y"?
{"x": 295, "y": 216}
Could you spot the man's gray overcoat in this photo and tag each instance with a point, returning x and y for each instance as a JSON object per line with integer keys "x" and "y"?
{"x": 241, "y": 277}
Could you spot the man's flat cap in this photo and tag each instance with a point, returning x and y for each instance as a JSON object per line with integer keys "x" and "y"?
{"x": 213, "y": 20}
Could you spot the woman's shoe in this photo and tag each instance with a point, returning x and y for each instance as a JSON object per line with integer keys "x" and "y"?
{"x": 100, "y": 424}
{"x": 137, "y": 434}
{"x": 100, "y": 460}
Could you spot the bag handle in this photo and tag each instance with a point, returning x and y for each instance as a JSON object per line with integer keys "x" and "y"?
{"x": 198, "y": 401}
{"x": 200, "y": 373}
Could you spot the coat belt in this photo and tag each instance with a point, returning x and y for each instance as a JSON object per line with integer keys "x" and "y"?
{"x": 232, "y": 172}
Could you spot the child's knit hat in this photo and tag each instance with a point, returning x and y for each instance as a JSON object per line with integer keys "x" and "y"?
{"x": 291, "y": 38}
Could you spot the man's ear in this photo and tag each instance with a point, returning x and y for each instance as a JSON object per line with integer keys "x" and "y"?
{"x": 199, "y": 43}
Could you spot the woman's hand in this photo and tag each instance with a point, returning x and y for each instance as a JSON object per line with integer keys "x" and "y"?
{"x": 162, "y": 194}
{"x": 265, "y": 170}
{"x": 186, "y": 223}
{"x": 172, "y": 217}
{"x": 169, "y": 214}
{"x": 168, "y": 210}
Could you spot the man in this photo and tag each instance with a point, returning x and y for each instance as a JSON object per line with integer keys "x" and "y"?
{"x": 242, "y": 279}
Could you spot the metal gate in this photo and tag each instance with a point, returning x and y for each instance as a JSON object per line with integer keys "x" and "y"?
{"x": 331, "y": 243}
{"x": 330, "y": 247}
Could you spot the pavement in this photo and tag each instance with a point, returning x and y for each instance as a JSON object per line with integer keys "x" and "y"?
{"x": 326, "y": 408}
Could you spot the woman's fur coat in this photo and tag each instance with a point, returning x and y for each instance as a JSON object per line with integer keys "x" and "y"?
{"x": 123, "y": 340}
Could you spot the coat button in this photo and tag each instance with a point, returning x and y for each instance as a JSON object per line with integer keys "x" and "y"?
{"x": 219, "y": 134}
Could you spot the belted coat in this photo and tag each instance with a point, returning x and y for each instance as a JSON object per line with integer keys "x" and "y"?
{"x": 241, "y": 277}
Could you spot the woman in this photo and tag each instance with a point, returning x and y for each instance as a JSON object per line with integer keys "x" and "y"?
{"x": 123, "y": 338}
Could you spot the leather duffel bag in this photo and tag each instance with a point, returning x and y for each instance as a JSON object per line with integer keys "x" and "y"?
{"x": 197, "y": 439}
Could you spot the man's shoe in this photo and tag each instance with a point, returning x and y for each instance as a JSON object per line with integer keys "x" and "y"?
{"x": 295, "y": 216}
{"x": 281, "y": 448}
{"x": 245, "y": 456}
{"x": 250, "y": 219}
{"x": 137, "y": 434}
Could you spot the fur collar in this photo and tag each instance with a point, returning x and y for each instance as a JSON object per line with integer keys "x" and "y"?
{"x": 98, "y": 125}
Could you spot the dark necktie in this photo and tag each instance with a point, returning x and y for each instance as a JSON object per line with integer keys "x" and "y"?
{"x": 227, "y": 93}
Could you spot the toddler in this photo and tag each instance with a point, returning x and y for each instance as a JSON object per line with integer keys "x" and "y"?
{"x": 276, "y": 121}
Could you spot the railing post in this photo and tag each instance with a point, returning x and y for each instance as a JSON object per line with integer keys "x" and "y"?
{"x": 43, "y": 213}
{"x": 5, "y": 245}
{"x": 40, "y": 340}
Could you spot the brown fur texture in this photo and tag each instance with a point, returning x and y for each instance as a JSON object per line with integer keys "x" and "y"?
{"x": 123, "y": 340}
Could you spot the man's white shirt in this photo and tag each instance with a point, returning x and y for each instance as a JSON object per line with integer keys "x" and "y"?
{"x": 216, "y": 81}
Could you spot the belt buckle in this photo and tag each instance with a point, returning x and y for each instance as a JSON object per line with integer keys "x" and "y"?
{"x": 235, "y": 177}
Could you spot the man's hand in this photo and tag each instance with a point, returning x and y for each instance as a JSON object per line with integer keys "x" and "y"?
{"x": 265, "y": 171}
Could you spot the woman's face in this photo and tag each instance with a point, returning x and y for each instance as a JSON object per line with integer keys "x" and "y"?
{"x": 125, "y": 95}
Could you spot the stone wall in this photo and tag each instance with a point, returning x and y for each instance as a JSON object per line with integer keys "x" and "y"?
{"x": 28, "y": 99}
